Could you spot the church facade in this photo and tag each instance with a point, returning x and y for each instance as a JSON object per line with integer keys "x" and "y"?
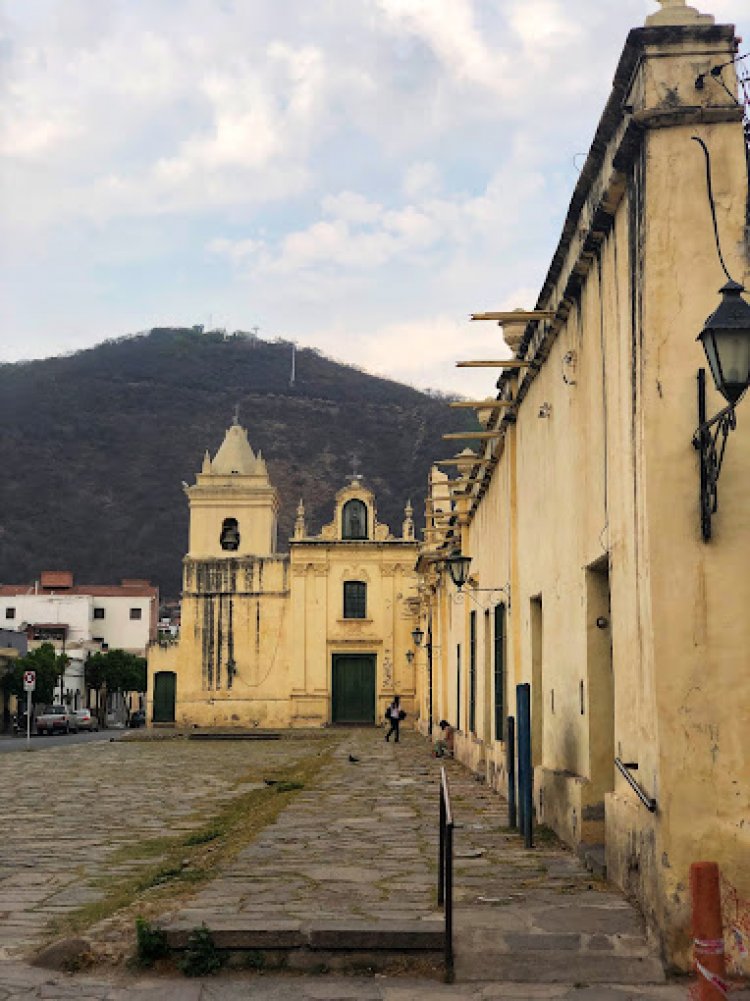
{"x": 316, "y": 636}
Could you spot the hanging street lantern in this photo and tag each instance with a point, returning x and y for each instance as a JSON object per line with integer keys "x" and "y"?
{"x": 458, "y": 568}
{"x": 726, "y": 340}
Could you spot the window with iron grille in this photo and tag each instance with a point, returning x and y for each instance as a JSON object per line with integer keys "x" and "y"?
{"x": 473, "y": 672}
{"x": 10, "y": 613}
{"x": 136, "y": 613}
{"x": 499, "y": 672}
{"x": 355, "y": 599}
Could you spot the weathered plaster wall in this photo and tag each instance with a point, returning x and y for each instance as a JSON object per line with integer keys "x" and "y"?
{"x": 234, "y": 612}
{"x": 319, "y": 570}
{"x": 259, "y": 631}
{"x": 591, "y": 511}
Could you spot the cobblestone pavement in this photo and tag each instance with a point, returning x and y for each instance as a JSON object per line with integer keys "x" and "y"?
{"x": 66, "y": 811}
{"x": 359, "y": 844}
{"x": 18, "y": 982}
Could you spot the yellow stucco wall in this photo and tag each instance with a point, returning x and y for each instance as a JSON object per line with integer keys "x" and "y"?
{"x": 259, "y": 631}
{"x": 591, "y": 512}
{"x": 321, "y": 631}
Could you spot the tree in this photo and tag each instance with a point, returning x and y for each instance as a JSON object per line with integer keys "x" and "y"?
{"x": 114, "y": 671}
{"x": 47, "y": 664}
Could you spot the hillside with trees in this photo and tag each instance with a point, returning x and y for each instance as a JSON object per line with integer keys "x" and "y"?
{"x": 95, "y": 445}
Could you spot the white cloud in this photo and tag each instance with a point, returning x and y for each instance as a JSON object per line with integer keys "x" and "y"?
{"x": 449, "y": 29}
{"x": 357, "y": 174}
{"x": 237, "y": 251}
{"x": 422, "y": 178}
{"x": 543, "y": 23}
{"x": 352, "y": 207}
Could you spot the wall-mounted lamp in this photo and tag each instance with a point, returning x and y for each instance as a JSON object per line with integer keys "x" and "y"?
{"x": 417, "y": 635}
{"x": 726, "y": 342}
{"x": 458, "y": 568}
{"x": 409, "y": 656}
{"x": 602, "y": 622}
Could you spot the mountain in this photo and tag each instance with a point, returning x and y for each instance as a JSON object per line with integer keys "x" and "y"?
{"x": 94, "y": 445}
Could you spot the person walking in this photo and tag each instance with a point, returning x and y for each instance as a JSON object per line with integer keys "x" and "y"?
{"x": 394, "y": 714}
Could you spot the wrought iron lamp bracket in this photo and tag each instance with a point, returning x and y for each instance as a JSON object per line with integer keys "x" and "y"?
{"x": 710, "y": 440}
{"x": 496, "y": 594}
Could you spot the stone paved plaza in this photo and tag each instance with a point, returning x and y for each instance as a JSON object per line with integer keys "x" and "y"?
{"x": 357, "y": 844}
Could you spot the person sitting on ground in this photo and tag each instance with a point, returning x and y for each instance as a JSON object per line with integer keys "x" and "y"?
{"x": 444, "y": 743}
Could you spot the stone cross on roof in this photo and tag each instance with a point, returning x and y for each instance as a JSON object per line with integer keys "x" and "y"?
{"x": 355, "y": 476}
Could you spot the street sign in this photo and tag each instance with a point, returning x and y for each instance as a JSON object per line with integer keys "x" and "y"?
{"x": 29, "y": 681}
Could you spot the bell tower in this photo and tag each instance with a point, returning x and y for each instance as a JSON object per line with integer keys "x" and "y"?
{"x": 233, "y": 505}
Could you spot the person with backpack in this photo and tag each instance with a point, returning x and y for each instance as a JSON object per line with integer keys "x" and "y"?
{"x": 394, "y": 714}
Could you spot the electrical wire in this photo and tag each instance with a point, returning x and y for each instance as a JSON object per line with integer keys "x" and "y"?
{"x": 712, "y": 204}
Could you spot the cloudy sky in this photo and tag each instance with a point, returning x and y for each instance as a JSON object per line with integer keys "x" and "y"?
{"x": 357, "y": 175}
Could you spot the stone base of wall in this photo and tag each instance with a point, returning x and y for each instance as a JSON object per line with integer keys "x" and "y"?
{"x": 471, "y": 752}
{"x": 566, "y": 803}
{"x": 632, "y": 864}
{"x": 229, "y": 713}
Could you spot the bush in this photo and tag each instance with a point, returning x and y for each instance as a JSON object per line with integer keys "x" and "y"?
{"x": 151, "y": 943}
{"x": 201, "y": 957}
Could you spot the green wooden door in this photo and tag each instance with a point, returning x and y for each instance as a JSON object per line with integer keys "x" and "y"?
{"x": 165, "y": 687}
{"x": 353, "y": 688}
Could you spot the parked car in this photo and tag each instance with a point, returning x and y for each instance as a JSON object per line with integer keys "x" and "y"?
{"x": 86, "y": 720}
{"x": 56, "y": 719}
{"x": 138, "y": 718}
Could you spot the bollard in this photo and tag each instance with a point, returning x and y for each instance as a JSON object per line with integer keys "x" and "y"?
{"x": 708, "y": 933}
{"x": 525, "y": 767}
{"x": 510, "y": 766}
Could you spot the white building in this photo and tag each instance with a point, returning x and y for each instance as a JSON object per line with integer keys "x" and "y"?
{"x": 79, "y": 619}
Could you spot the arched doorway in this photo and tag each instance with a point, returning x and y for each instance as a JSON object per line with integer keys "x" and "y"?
{"x": 165, "y": 689}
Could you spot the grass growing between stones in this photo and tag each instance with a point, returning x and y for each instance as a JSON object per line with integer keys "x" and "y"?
{"x": 181, "y": 864}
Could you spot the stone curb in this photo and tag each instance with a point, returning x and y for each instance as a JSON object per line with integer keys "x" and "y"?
{"x": 236, "y": 934}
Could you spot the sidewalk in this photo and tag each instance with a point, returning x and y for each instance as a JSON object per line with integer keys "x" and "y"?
{"x": 358, "y": 849}
{"x": 355, "y": 857}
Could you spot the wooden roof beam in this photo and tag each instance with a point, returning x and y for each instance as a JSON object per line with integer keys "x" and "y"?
{"x": 515, "y": 315}
{"x": 503, "y": 363}
{"x": 481, "y": 404}
{"x": 478, "y": 435}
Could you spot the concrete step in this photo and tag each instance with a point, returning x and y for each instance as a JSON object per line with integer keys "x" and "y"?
{"x": 246, "y": 934}
{"x": 551, "y": 966}
{"x": 234, "y": 735}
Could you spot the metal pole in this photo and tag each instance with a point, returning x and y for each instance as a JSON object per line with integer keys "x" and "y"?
{"x": 28, "y": 720}
{"x": 705, "y": 513}
{"x": 449, "y": 903}
{"x": 441, "y": 852}
{"x": 521, "y": 762}
{"x": 510, "y": 767}
{"x": 525, "y": 790}
{"x": 429, "y": 677}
